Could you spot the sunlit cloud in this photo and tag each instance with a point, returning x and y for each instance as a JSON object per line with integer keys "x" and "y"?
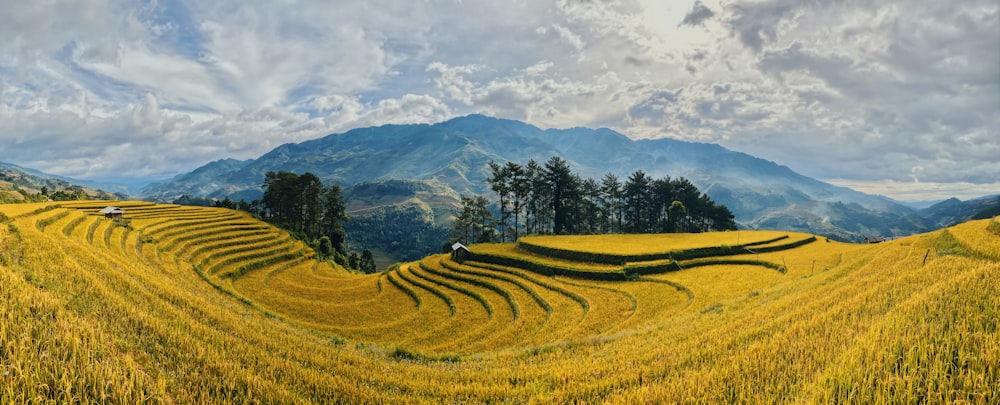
{"x": 870, "y": 93}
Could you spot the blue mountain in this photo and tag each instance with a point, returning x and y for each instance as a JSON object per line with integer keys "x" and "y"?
{"x": 454, "y": 155}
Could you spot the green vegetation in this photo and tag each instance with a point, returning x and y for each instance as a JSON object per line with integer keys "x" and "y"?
{"x": 536, "y": 199}
{"x": 994, "y": 226}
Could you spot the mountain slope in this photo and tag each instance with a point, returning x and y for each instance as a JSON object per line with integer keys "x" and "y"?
{"x": 954, "y": 211}
{"x": 19, "y": 184}
{"x": 455, "y": 153}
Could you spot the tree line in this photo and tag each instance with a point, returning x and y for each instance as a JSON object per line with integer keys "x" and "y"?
{"x": 310, "y": 211}
{"x": 550, "y": 199}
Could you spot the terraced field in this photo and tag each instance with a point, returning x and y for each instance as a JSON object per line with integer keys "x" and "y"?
{"x": 188, "y": 304}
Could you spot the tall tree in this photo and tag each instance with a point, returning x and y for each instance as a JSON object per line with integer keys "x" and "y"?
{"x": 538, "y": 207}
{"x": 484, "y": 219}
{"x": 367, "y": 262}
{"x": 662, "y": 197}
{"x": 612, "y": 191}
{"x": 463, "y": 225}
{"x": 638, "y": 204}
{"x": 334, "y": 216}
{"x": 308, "y": 205}
{"x": 559, "y": 178}
{"x": 301, "y": 205}
{"x": 499, "y": 181}
{"x": 520, "y": 189}
{"x": 590, "y": 211}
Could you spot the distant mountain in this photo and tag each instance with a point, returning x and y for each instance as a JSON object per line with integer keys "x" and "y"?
{"x": 953, "y": 211}
{"x": 208, "y": 181}
{"x": 454, "y": 154}
{"x": 20, "y": 184}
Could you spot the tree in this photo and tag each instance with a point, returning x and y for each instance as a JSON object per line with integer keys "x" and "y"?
{"x": 483, "y": 218}
{"x": 474, "y": 222}
{"x": 334, "y": 216}
{"x": 538, "y": 210}
{"x": 590, "y": 211}
{"x": 462, "y": 228}
{"x": 662, "y": 197}
{"x": 562, "y": 184}
{"x": 556, "y": 200}
{"x": 638, "y": 204}
{"x": 324, "y": 246}
{"x": 354, "y": 261}
{"x": 676, "y": 212}
{"x": 611, "y": 189}
{"x": 301, "y": 205}
{"x": 499, "y": 181}
{"x": 308, "y": 207}
{"x": 367, "y": 262}
{"x": 520, "y": 189}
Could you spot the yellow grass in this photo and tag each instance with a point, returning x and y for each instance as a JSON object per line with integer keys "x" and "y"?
{"x": 637, "y": 244}
{"x": 92, "y": 312}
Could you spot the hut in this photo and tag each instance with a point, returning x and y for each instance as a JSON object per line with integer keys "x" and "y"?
{"x": 459, "y": 251}
{"x": 874, "y": 239}
{"x": 112, "y": 212}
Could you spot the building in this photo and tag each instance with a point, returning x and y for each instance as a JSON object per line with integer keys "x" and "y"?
{"x": 874, "y": 239}
{"x": 112, "y": 212}
{"x": 459, "y": 251}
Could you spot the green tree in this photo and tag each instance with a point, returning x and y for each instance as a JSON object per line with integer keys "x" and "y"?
{"x": 301, "y": 205}
{"x": 564, "y": 190}
{"x": 520, "y": 189}
{"x": 324, "y": 247}
{"x": 611, "y": 190}
{"x": 463, "y": 225}
{"x": 334, "y": 217}
{"x": 538, "y": 210}
{"x": 367, "y": 263}
{"x": 638, "y": 204}
{"x": 500, "y": 183}
{"x": 677, "y": 212}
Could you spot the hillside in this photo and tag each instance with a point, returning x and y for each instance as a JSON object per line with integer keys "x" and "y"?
{"x": 18, "y": 184}
{"x": 190, "y": 304}
{"x": 455, "y": 153}
{"x": 953, "y": 211}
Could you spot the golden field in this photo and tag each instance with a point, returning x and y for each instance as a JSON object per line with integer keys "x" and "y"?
{"x": 202, "y": 305}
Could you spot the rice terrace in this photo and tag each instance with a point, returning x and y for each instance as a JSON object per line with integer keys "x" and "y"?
{"x": 181, "y": 304}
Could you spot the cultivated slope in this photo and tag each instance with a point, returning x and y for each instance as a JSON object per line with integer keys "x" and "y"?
{"x": 184, "y": 304}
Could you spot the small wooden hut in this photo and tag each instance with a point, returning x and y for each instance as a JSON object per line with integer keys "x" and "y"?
{"x": 113, "y": 212}
{"x": 459, "y": 251}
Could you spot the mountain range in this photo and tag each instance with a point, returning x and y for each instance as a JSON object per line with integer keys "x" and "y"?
{"x": 21, "y": 184}
{"x": 422, "y": 169}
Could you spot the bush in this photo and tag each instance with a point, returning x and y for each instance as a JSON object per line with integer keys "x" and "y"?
{"x": 994, "y": 227}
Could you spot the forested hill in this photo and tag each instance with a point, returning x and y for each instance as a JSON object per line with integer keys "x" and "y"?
{"x": 455, "y": 154}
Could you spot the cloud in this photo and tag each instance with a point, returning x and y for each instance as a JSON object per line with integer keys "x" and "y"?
{"x": 698, "y": 14}
{"x": 921, "y": 191}
{"x": 850, "y": 90}
{"x": 755, "y": 23}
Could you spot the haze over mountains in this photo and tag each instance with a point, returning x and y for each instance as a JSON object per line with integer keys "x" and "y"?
{"x": 451, "y": 158}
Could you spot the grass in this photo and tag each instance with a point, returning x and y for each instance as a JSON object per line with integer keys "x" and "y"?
{"x": 92, "y": 312}
{"x": 642, "y": 244}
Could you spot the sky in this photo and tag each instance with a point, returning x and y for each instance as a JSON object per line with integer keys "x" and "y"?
{"x": 900, "y": 98}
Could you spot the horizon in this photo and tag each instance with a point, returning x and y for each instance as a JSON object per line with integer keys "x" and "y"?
{"x": 896, "y": 101}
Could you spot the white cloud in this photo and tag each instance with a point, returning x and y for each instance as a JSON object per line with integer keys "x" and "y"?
{"x": 859, "y": 91}
{"x": 921, "y": 191}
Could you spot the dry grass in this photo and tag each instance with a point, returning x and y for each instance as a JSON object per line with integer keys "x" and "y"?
{"x": 92, "y": 312}
{"x": 642, "y": 244}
